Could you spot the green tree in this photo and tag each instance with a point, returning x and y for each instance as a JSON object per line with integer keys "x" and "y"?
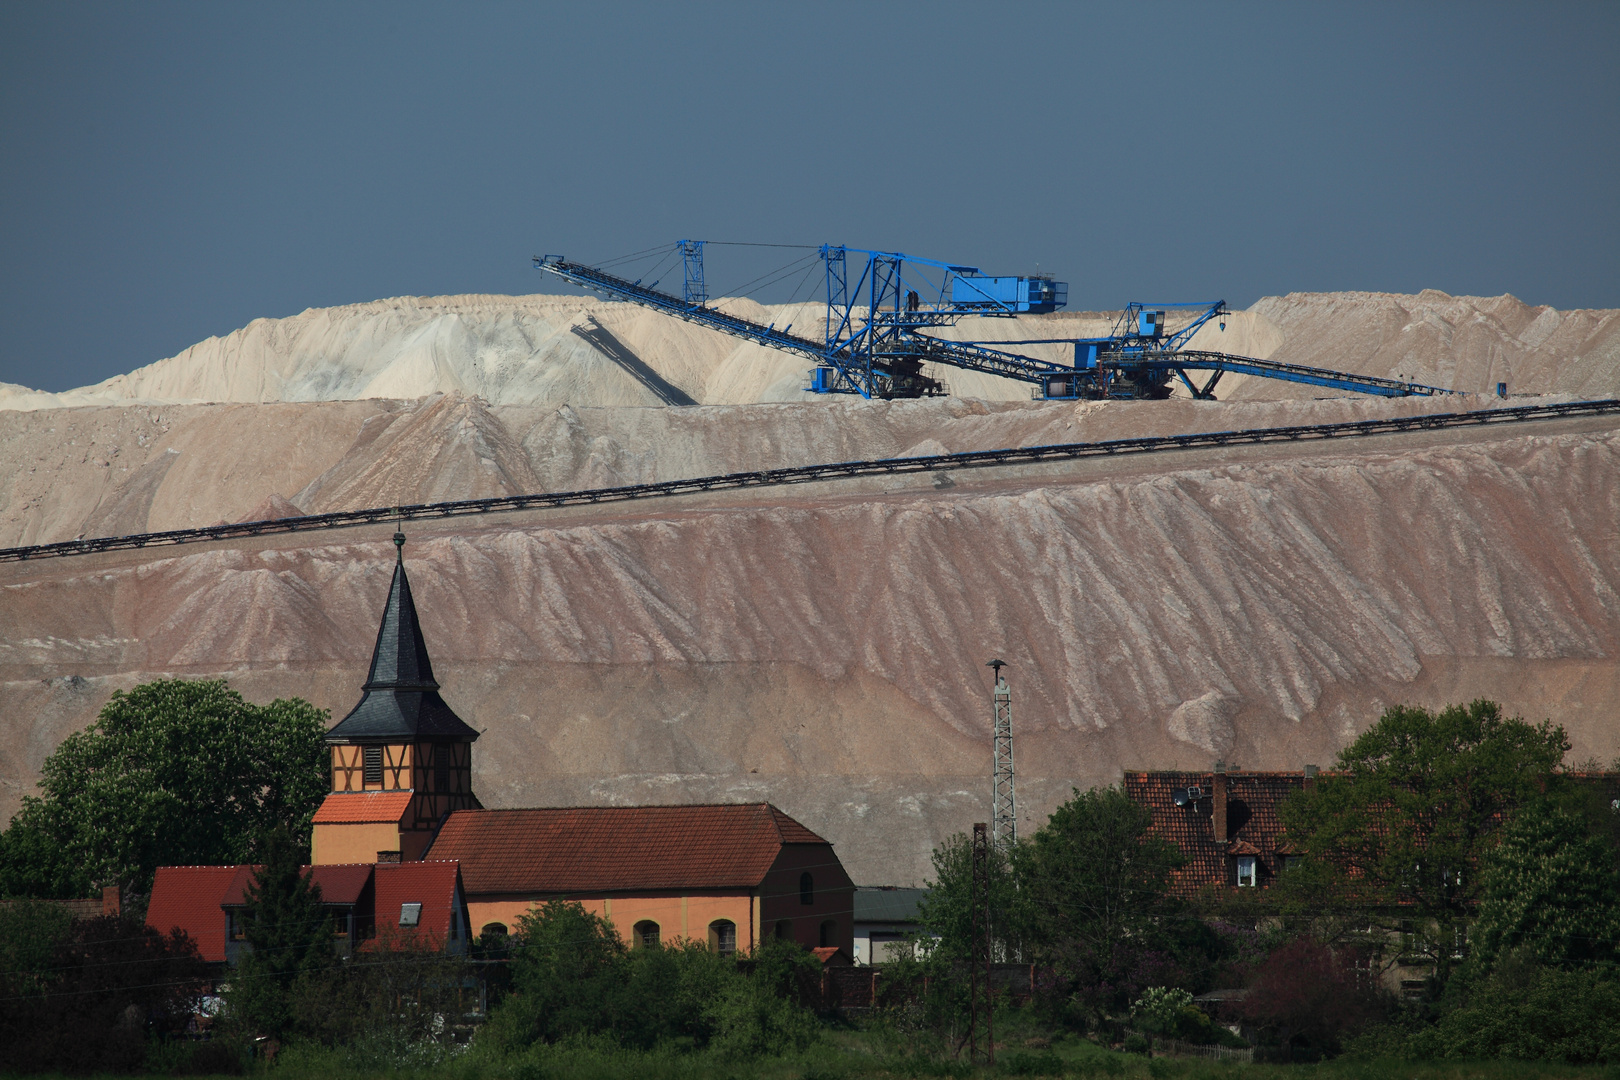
{"x": 172, "y": 772}
{"x": 1406, "y": 817}
{"x": 289, "y": 936}
{"x": 1551, "y": 890}
{"x": 947, "y": 911}
{"x": 1095, "y": 885}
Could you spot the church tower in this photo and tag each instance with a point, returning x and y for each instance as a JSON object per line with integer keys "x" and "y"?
{"x": 402, "y": 759}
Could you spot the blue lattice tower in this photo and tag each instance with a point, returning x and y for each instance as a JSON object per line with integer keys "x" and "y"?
{"x": 696, "y": 291}
{"x": 1003, "y": 801}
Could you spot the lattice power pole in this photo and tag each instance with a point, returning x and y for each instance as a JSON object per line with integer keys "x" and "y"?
{"x": 1003, "y": 802}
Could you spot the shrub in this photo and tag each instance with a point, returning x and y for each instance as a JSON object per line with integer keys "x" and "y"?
{"x": 1307, "y": 990}
{"x": 1531, "y": 1013}
{"x": 108, "y": 982}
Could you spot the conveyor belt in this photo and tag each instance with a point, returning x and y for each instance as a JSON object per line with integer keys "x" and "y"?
{"x": 805, "y": 474}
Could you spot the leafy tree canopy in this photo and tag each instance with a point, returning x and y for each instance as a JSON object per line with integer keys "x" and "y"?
{"x": 1092, "y": 875}
{"x": 1414, "y": 804}
{"x": 173, "y": 772}
{"x": 1550, "y": 889}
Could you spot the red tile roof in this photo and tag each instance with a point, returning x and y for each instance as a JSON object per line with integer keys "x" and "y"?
{"x": 341, "y": 883}
{"x": 188, "y": 897}
{"x": 363, "y": 808}
{"x": 431, "y": 884}
{"x": 1252, "y": 824}
{"x": 616, "y": 848}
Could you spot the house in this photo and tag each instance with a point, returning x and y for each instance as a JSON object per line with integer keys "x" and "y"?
{"x": 731, "y": 875}
{"x": 419, "y": 903}
{"x": 884, "y": 917}
{"x": 1224, "y": 821}
{"x": 402, "y": 844}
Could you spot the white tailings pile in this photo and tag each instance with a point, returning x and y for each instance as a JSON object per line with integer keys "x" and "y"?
{"x": 539, "y": 350}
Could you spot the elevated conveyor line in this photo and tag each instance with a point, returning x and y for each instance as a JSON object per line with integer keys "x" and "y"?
{"x": 805, "y": 474}
{"x": 919, "y": 347}
{"x": 1221, "y": 363}
{"x": 599, "y": 281}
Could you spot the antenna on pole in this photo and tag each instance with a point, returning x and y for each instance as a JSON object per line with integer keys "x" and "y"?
{"x": 1003, "y": 802}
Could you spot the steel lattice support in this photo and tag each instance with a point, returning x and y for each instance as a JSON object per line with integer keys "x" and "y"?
{"x": 695, "y": 290}
{"x": 1003, "y": 800}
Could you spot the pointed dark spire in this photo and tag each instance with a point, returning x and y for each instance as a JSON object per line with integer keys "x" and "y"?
{"x": 400, "y": 659}
{"x": 400, "y": 699}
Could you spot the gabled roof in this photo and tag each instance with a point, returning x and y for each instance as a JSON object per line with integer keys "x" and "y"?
{"x": 401, "y": 698}
{"x": 363, "y": 807}
{"x": 553, "y": 852}
{"x": 431, "y": 884}
{"x": 188, "y": 897}
{"x": 1252, "y": 824}
{"x": 340, "y": 883}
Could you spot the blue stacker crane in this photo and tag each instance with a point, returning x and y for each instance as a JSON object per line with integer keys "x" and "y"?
{"x": 876, "y": 339}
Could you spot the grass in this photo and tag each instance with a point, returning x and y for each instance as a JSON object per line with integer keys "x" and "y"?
{"x": 868, "y": 1054}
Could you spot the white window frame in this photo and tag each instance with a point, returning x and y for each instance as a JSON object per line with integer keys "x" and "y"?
{"x": 1247, "y": 871}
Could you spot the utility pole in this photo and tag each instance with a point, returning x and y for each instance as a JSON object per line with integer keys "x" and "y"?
{"x": 1003, "y": 803}
{"x": 979, "y": 906}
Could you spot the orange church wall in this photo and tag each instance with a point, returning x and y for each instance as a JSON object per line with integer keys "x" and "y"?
{"x": 677, "y": 916}
{"x": 832, "y": 898}
{"x": 352, "y": 843}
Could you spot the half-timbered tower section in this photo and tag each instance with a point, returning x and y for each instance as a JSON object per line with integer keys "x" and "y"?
{"x": 401, "y": 758}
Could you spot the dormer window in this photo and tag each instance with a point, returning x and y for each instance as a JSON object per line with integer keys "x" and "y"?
{"x": 1246, "y": 871}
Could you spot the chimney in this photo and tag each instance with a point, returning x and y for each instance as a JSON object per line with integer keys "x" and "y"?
{"x": 112, "y": 900}
{"x": 1310, "y": 777}
{"x": 1217, "y": 790}
{"x": 388, "y": 856}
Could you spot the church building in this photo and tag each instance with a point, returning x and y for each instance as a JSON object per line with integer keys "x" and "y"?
{"x": 401, "y": 808}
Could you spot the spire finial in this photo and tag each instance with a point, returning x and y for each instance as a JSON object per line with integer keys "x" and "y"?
{"x": 399, "y": 546}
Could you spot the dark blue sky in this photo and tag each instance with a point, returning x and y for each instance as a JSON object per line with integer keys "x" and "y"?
{"x": 171, "y": 171}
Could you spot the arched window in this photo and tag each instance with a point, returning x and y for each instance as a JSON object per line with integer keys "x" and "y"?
{"x": 807, "y": 888}
{"x": 646, "y": 933}
{"x": 784, "y": 930}
{"x": 829, "y": 933}
{"x": 493, "y": 932}
{"x": 723, "y": 936}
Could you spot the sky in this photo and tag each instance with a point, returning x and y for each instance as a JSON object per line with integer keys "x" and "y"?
{"x": 172, "y": 171}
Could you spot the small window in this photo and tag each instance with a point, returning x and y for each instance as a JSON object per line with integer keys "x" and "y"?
{"x": 647, "y": 934}
{"x": 441, "y": 767}
{"x": 236, "y": 925}
{"x": 1245, "y": 871}
{"x": 723, "y": 936}
{"x": 410, "y": 914}
{"x": 1290, "y": 862}
{"x": 784, "y": 930}
{"x": 807, "y": 889}
{"x": 373, "y": 764}
{"x": 829, "y": 933}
